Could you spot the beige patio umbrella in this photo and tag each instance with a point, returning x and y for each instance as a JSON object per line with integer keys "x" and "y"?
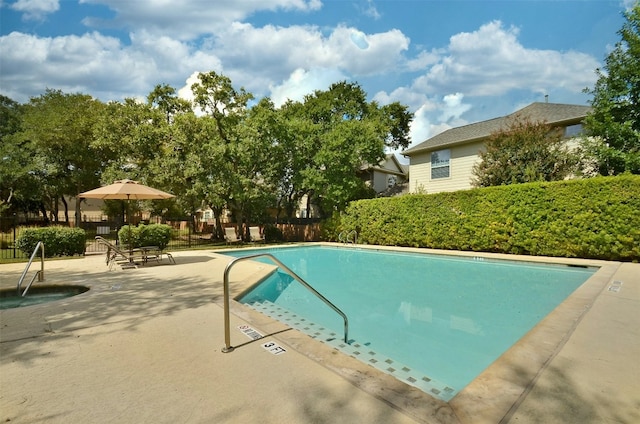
{"x": 126, "y": 190}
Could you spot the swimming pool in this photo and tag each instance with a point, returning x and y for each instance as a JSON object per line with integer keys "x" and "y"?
{"x": 432, "y": 321}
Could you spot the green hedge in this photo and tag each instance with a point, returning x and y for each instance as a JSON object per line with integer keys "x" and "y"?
{"x": 589, "y": 218}
{"x": 58, "y": 241}
{"x": 146, "y": 235}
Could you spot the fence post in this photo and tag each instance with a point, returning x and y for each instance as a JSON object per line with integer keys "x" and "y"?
{"x": 15, "y": 226}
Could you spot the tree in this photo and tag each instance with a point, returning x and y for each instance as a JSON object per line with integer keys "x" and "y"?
{"x": 14, "y": 156}
{"x": 193, "y": 164}
{"x": 615, "y": 120}
{"x": 523, "y": 152}
{"x": 332, "y": 134}
{"x": 131, "y": 136}
{"x": 164, "y": 98}
{"x": 60, "y": 129}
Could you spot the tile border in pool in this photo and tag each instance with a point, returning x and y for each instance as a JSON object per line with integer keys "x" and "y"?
{"x": 361, "y": 352}
{"x": 498, "y": 389}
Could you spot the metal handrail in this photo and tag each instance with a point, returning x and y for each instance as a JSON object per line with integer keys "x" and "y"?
{"x": 227, "y": 331}
{"x": 345, "y": 239}
{"x": 39, "y": 274}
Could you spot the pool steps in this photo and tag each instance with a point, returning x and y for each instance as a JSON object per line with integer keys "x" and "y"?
{"x": 359, "y": 350}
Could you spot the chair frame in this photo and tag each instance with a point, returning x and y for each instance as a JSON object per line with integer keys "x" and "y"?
{"x": 231, "y": 236}
{"x": 255, "y": 235}
{"x": 131, "y": 258}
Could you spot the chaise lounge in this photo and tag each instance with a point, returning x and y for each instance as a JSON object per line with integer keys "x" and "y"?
{"x": 254, "y": 234}
{"x": 131, "y": 258}
{"x": 230, "y": 235}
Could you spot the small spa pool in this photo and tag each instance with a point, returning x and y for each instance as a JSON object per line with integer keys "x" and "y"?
{"x": 37, "y": 294}
{"x": 433, "y": 321}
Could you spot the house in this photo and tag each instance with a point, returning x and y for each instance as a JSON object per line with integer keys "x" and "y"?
{"x": 445, "y": 162}
{"x": 386, "y": 177}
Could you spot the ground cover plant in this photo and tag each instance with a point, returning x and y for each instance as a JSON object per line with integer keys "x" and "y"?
{"x": 589, "y": 218}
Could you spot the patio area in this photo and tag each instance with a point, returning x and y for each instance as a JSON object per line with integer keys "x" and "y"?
{"x": 144, "y": 345}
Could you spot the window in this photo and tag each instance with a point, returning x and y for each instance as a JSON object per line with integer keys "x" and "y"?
{"x": 440, "y": 164}
{"x": 573, "y": 130}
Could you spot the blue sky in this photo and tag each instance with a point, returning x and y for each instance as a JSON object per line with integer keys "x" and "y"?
{"x": 453, "y": 62}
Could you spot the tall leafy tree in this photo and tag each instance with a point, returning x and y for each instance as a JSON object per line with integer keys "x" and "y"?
{"x": 615, "y": 121}
{"x": 192, "y": 165}
{"x": 165, "y": 98}
{"x": 14, "y": 156}
{"x": 60, "y": 128}
{"x": 524, "y": 151}
{"x": 296, "y": 155}
{"x": 337, "y": 132}
{"x": 258, "y": 161}
{"x": 227, "y": 153}
{"x": 131, "y": 136}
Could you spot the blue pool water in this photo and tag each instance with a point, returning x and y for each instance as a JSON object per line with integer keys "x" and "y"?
{"x": 433, "y": 321}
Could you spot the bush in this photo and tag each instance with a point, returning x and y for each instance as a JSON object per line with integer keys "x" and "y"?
{"x": 272, "y": 233}
{"x": 591, "y": 218}
{"x": 145, "y": 235}
{"x": 58, "y": 241}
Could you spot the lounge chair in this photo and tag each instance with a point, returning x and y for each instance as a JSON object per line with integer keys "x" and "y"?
{"x": 131, "y": 258}
{"x": 254, "y": 234}
{"x": 230, "y": 235}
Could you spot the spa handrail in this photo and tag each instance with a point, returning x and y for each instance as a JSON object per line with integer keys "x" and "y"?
{"x": 39, "y": 274}
{"x": 227, "y": 332}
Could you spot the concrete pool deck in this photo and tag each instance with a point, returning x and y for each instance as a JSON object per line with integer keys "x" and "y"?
{"x": 144, "y": 345}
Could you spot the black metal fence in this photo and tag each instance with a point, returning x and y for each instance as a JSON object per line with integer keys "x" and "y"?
{"x": 183, "y": 236}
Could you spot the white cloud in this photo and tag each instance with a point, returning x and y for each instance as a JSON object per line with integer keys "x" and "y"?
{"x": 185, "y": 92}
{"x": 405, "y": 95}
{"x": 276, "y": 49}
{"x": 95, "y": 64}
{"x": 423, "y": 60}
{"x": 35, "y": 9}
{"x": 257, "y": 59}
{"x": 453, "y": 107}
{"x": 302, "y": 82}
{"x": 427, "y": 124}
{"x": 188, "y": 19}
{"x": 488, "y": 63}
{"x": 371, "y": 10}
{"x": 491, "y": 62}
{"x": 421, "y": 125}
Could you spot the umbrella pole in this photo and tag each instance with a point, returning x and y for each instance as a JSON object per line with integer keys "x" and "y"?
{"x": 129, "y": 223}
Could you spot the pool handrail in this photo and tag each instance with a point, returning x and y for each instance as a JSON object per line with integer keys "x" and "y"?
{"x": 39, "y": 274}
{"x": 342, "y": 238}
{"x": 227, "y": 331}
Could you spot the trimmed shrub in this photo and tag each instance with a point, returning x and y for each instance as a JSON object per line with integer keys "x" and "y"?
{"x": 272, "y": 233}
{"x": 591, "y": 218}
{"x": 58, "y": 241}
{"x": 145, "y": 235}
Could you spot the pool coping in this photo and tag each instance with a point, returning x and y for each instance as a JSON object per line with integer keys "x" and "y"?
{"x": 495, "y": 394}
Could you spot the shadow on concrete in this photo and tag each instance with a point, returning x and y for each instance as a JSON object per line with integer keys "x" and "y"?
{"x": 558, "y": 398}
{"x": 127, "y": 298}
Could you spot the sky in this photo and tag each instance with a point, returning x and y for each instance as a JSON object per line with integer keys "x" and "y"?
{"x": 452, "y": 62}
